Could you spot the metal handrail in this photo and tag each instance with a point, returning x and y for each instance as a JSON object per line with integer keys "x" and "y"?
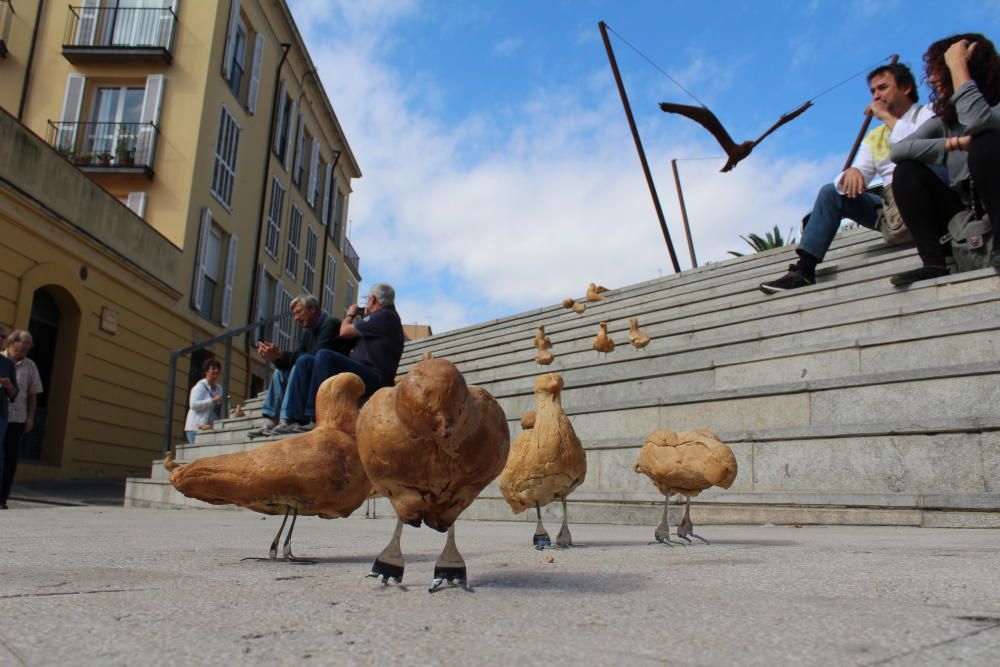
{"x": 351, "y": 257}
{"x": 120, "y": 27}
{"x": 104, "y": 144}
{"x": 168, "y": 420}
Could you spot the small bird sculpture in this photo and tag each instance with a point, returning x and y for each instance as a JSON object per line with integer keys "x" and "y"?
{"x": 735, "y": 152}
{"x": 568, "y": 303}
{"x": 602, "y": 342}
{"x": 685, "y": 463}
{"x": 430, "y": 445}
{"x": 637, "y": 338}
{"x": 547, "y": 461}
{"x": 595, "y": 292}
{"x": 317, "y": 473}
{"x": 578, "y": 308}
{"x": 542, "y": 342}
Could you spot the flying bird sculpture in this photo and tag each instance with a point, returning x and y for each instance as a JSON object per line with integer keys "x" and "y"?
{"x": 736, "y": 152}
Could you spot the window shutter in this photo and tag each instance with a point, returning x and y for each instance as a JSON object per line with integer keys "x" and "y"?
{"x": 279, "y": 127}
{"x": 325, "y": 215}
{"x": 152, "y": 101}
{"x": 86, "y": 28}
{"x": 200, "y": 264}
{"x": 75, "y": 85}
{"x": 166, "y": 31}
{"x": 227, "y": 294}
{"x": 258, "y": 56}
{"x": 290, "y": 144}
{"x": 227, "y": 61}
{"x": 313, "y": 176}
{"x": 260, "y": 305}
{"x": 137, "y": 202}
{"x": 300, "y": 148}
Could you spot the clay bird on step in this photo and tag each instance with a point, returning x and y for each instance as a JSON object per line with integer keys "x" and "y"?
{"x": 596, "y": 292}
{"x": 543, "y": 344}
{"x": 637, "y": 338}
{"x": 546, "y": 461}
{"x": 685, "y": 463}
{"x": 317, "y": 473}
{"x": 602, "y": 342}
{"x": 735, "y": 152}
{"x": 430, "y": 444}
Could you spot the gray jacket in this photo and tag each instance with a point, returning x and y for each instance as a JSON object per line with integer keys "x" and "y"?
{"x": 975, "y": 116}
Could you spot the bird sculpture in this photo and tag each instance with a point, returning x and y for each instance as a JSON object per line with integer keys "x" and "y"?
{"x": 568, "y": 303}
{"x": 637, "y": 338}
{"x": 543, "y": 344}
{"x": 596, "y": 292}
{"x": 546, "y": 461}
{"x": 602, "y": 342}
{"x": 317, "y": 473}
{"x": 685, "y": 463}
{"x": 578, "y": 308}
{"x": 430, "y": 444}
{"x": 735, "y": 152}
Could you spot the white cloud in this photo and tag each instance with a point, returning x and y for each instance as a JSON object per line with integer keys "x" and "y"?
{"x": 506, "y": 47}
{"x": 469, "y": 228}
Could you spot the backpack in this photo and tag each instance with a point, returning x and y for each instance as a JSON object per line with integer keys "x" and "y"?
{"x": 890, "y": 220}
{"x": 971, "y": 236}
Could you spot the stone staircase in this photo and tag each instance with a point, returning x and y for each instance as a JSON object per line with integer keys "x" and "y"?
{"x": 847, "y": 402}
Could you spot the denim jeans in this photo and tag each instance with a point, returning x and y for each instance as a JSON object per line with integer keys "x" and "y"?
{"x": 328, "y": 364}
{"x": 829, "y": 209}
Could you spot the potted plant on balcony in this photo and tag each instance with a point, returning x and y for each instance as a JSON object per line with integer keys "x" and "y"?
{"x": 82, "y": 158}
{"x": 103, "y": 159}
{"x": 125, "y": 151}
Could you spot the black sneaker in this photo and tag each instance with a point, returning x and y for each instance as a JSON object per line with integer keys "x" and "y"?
{"x": 791, "y": 280}
{"x": 923, "y": 273}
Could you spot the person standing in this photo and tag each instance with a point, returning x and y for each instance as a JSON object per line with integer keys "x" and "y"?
{"x": 21, "y": 418}
{"x": 206, "y": 396}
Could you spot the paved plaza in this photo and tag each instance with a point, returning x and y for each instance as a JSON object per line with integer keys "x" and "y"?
{"x": 91, "y": 585}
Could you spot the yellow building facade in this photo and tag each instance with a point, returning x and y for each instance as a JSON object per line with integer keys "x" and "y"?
{"x": 207, "y": 122}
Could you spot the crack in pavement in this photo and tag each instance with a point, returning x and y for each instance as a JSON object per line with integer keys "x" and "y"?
{"x": 44, "y": 595}
{"x": 992, "y": 626}
{"x": 17, "y": 656}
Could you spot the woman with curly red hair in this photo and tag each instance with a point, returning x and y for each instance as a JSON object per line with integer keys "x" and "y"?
{"x": 963, "y": 72}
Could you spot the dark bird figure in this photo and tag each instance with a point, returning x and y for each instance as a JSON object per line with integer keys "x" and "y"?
{"x": 736, "y": 152}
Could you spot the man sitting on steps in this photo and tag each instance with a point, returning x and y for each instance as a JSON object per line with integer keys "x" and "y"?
{"x": 894, "y": 97}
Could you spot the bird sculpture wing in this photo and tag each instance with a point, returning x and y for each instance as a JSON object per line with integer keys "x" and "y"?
{"x": 792, "y": 115}
{"x": 704, "y": 117}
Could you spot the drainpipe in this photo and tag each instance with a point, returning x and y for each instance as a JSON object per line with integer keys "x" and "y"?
{"x": 285, "y": 48}
{"x": 31, "y": 58}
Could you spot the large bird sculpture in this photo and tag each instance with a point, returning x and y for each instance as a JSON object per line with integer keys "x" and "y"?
{"x": 736, "y": 152}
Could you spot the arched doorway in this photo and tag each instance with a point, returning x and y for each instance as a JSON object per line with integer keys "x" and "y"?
{"x": 54, "y": 326}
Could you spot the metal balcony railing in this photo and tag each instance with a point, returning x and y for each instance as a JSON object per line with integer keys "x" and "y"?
{"x": 117, "y": 146}
{"x": 108, "y": 31}
{"x": 351, "y": 257}
{"x": 6, "y": 16}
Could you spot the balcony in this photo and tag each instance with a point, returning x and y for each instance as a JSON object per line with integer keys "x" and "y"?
{"x": 6, "y": 15}
{"x": 106, "y": 148}
{"x": 351, "y": 258}
{"x": 117, "y": 34}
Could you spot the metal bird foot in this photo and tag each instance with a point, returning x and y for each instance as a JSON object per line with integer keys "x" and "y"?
{"x": 564, "y": 539}
{"x": 388, "y": 565}
{"x": 541, "y": 538}
{"x": 685, "y": 529}
{"x": 286, "y": 552}
{"x": 450, "y": 566}
{"x": 662, "y": 532}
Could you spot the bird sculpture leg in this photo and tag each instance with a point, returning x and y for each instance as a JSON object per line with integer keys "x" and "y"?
{"x": 686, "y": 528}
{"x": 388, "y": 565}
{"x": 662, "y": 533}
{"x": 541, "y": 538}
{"x": 286, "y": 550}
{"x": 450, "y": 565}
{"x": 273, "y": 551}
{"x": 564, "y": 539}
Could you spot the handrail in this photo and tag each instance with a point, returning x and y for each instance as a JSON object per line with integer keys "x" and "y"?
{"x": 351, "y": 257}
{"x": 104, "y": 143}
{"x": 120, "y": 27}
{"x": 227, "y": 336}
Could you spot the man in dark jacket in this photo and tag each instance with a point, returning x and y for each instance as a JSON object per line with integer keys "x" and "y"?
{"x": 8, "y": 392}
{"x": 288, "y": 393}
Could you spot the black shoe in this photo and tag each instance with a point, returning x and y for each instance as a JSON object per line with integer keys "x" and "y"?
{"x": 995, "y": 255}
{"x": 791, "y": 280}
{"x": 3, "y": 506}
{"x": 914, "y": 275}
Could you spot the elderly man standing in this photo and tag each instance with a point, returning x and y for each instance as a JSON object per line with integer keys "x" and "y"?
{"x": 21, "y": 418}
{"x": 286, "y": 394}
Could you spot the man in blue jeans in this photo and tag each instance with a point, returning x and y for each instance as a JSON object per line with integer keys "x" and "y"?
{"x": 287, "y": 393}
{"x": 894, "y": 102}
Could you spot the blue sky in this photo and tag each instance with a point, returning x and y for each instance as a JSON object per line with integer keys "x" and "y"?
{"x": 499, "y": 172}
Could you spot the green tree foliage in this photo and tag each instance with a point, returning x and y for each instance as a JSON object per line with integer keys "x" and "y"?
{"x": 771, "y": 239}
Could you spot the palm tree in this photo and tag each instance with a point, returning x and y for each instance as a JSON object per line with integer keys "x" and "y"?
{"x": 772, "y": 239}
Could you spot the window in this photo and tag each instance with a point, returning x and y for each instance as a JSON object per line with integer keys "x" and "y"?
{"x": 292, "y": 250}
{"x": 266, "y": 299}
{"x": 239, "y": 53}
{"x": 299, "y": 150}
{"x": 282, "y": 136}
{"x": 329, "y": 279}
{"x": 115, "y": 116}
{"x": 283, "y": 330}
{"x": 274, "y": 218}
{"x": 213, "y": 289}
{"x": 352, "y": 295}
{"x": 309, "y": 261}
{"x": 317, "y": 180}
{"x": 225, "y": 159}
{"x": 313, "y": 179}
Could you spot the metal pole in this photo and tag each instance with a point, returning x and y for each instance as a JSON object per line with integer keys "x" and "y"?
{"x": 893, "y": 59}
{"x": 168, "y": 420}
{"x": 638, "y": 145}
{"x": 225, "y": 378}
{"x": 684, "y": 213}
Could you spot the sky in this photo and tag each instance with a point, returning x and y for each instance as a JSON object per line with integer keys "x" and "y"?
{"x": 499, "y": 172}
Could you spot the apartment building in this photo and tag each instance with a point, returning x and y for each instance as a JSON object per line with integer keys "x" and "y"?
{"x": 208, "y": 122}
